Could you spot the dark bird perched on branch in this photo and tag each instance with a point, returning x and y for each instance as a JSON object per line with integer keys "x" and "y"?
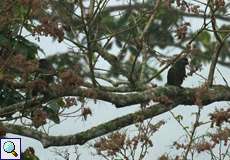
{"x": 43, "y": 77}
{"x": 177, "y": 73}
{"x": 46, "y": 71}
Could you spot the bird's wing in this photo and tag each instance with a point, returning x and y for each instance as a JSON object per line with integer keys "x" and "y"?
{"x": 171, "y": 76}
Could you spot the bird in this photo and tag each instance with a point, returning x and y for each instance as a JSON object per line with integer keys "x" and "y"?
{"x": 177, "y": 72}
{"x": 46, "y": 71}
{"x": 43, "y": 77}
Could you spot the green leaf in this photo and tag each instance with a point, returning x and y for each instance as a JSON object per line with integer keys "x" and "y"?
{"x": 52, "y": 110}
{"x": 54, "y": 106}
{"x": 61, "y": 102}
{"x": 225, "y": 30}
{"x": 205, "y": 38}
{"x": 179, "y": 117}
{"x": 52, "y": 115}
{"x": 9, "y": 96}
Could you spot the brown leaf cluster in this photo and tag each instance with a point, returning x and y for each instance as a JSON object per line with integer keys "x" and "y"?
{"x": 221, "y": 135}
{"x": 200, "y": 147}
{"x": 30, "y": 151}
{"x": 219, "y": 3}
{"x": 207, "y": 145}
{"x": 7, "y": 80}
{"x": 49, "y": 27}
{"x": 182, "y": 30}
{"x": 185, "y": 6}
{"x": 21, "y": 64}
{"x": 203, "y": 146}
{"x": 166, "y": 157}
{"x": 178, "y": 145}
{"x": 2, "y": 131}
{"x": 163, "y": 157}
{"x": 17, "y": 65}
{"x": 39, "y": 118}
{"x": 37, "y": 86}
{"x": 70, "y": 79}
{"x": 219, "y": 117}
{"x": 70, "y": 101}
{"x": 120, "y": 144}
{"x": 85, "y": 112}
{"x": 34, "y": 4}
{"x": 7, "y": 15}
{"x": 168, "y": 3}
{"x": 112, "y": 144}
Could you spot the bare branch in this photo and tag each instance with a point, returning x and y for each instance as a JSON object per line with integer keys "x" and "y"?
{"x": 217, "y": 50}
{"x": 216, "y": 93}
{"x": 82, "y": 137}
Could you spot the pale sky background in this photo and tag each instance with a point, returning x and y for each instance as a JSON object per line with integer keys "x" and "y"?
{"x": 103, "y": 111}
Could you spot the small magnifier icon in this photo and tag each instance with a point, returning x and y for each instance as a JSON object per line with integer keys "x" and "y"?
{"x": 9, "y": 147}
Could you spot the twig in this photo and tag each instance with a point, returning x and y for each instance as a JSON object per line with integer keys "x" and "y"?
{"x": 222, "y": 76}
{"x": 184, "y": 128}
{"x": 217, "y": 49}
{"x": 143, "y": 49}
{"x": 179, "y": 55}
{"x": 215, "y": 60}
{"x": 196, "y": 124}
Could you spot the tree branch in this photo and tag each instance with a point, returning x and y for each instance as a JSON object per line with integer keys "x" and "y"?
{"x": 217, "y": 50}
{"x": 183, "y": 96}
{"x": 216, "y": 93}
{"x": 147, "y": 6}
{"x": 82, "y": 137}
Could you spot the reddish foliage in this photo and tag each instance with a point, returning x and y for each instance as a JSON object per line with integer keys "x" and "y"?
{"x": 182, "y": 30}
{"x": 34, "y": 4}
{"x": 163, "y": 157}
{"x": 2, "y": 131}
{"x": 185, "y": 6}
{"x": 221, "y": 135}
{"x": 112, "y": 144}
{"x": 120, "y": 144}
{"x": 49, "y": 27}
{"x": 219, "y": 3}
{"x": 85, "y": 111}
{"x": 219, "y": 117}
{"x": 205, "y": 146}
{"x": 20, "y": 63}
{"x": 70, "y": 79}
{"x": 39, "y": 118}
{"x": 179, "y": 146}
{"x": 38, "y": 86}
{"x": 70, "y": 101}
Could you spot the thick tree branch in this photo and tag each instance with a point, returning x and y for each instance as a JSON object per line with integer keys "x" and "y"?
{"x": 82, "y": 137}
{"x": 216, "y": 93}
{"x": 183, "y": 96}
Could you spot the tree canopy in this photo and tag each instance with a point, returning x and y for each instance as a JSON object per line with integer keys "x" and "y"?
{"x": 117, "y": 52}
